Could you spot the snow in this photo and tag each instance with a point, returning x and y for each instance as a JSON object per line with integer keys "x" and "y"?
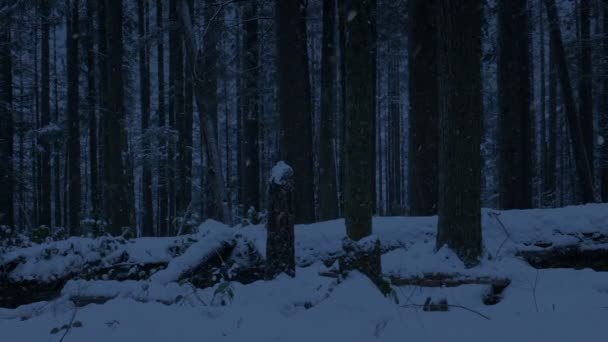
{"x": 538, "y": 305}
{"x": 280, "y": 173}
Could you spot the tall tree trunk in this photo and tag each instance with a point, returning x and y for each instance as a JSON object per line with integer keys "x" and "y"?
{"x": 250, "y": 104}
{"x": 57, "y": 190}
{"x": 424, "y": 109}
{"x": 6, "y": 122}
{"x": 163, "y": 195}
{"x": 544, "y": 161}
{"x": 603, "y": 122}
{"x": 359, "y": 130}
{"x": 394, "y": 121}
{"x": 584, "y": 172}
{"x": 195, "y": 66}
{"x": 550, "y": 183}
{"x": 514, "y": 101}
{"x": 73, "y": 119}
{"x": 45, "y": 116}
{"x": 460, "y": 117}
{"x": 585, "y": 88}
{"x": 116, "y": 183}
{"x": 144, "y": 84}
{"x": 328, "y": 193}
{"x": 91, "y": 87}
{"x": 294, "y": 103}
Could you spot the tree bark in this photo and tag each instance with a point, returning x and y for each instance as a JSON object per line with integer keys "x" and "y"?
{"x": 460, "y": 117}
{"x": 515, "y": 136}
{"x": 73, "y": 103}
{"x": 294, "y": 103}
{"x": 144, "y": 84}
{"x": 195, "y": 66}
{"x": 394, "y": 132}
{"x": 423, "y": 114}
{"x": 250, "y": 145}
{"x": 328, "y": 195}
{"x": 280, "y": 240}
{"x": 91, "y": 71}
{"x": 584, "y": 172}
{"x": 585, "y": 88}
{"x": 163, "y": 195}
{"x": 116, "y": 183}
{"x": 45, "y": 116}
{"x": 6, "y": 123}
{"x": 603, "y": 122}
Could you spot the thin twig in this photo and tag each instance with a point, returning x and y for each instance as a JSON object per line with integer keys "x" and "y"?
{"x": 67, "y": 330}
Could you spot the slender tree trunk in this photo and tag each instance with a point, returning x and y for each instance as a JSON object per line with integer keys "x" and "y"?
{"x": 584, "y": 172}
{"x": 514, "y": 101}
{"x": 423, "y": 115}
{"x": 195, "y": 66}
{"x": 603, "y": 122}
{"x": 6, "y": 123}
{"x": 73, "y": 103}
{"x": 550, "y": 183}
{"x": 163, "y": 195}
{"x": 460, "y": 116}
{"x": 144, "y": 84}
{"x": 116, "y": 183}
{"x": 328, "y": 196}
{"x": 45, "y": 116}
{"x": 394, "y": 120}
{"x": 544, "y": 161}
{"x": 585, "y": 88}
{"x": 57, "y": 191}
{"x": 294, "y": 103}
{"x": 210, "y": 85}
{"x": 91, "y": 88}
{"x": 250, "y": 144}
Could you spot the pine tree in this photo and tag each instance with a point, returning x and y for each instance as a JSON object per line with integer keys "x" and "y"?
{"x": 6, "y": 121}
{"x": 73, "y": 66}
{"x": 45, "y": 116}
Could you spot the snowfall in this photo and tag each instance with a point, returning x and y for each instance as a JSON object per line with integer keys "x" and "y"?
{"x": 538, "y": 305}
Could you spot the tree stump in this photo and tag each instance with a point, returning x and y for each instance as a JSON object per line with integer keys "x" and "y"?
{"x": 363, "y": 256}
{"x": 280, "y": 250}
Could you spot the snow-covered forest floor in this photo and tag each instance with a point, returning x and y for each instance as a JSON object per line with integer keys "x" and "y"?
{"x": 548, "y": 304}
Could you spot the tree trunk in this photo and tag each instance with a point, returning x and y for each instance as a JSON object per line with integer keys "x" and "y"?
{"x": 57, "y": 191}
{"x": 45, "y": 117}
{"x": 603, "y": 122}
{"x": 6, "y": 123}
{"x": 195, "y": 66}
{"x": 91, "y": 70}
{"x": 209, "y": 80}
{"x": 585, "y": 174}
{"x": 144, "y": 84}
{"x": 585, "y": 88}
{"x": 328, "y": 195}
{"x": 394, "y": 125}
{"x": 514, "y": 162}
{"x": 359, "y": 138}
{"x": 544, "y": 161}
{"x": 423, "y": 114}
{"x": 250, "y": 145}
{"x": 163, "y": 195}
{"x": 116, "y": 183}
{"x": 280, "y": 240}
{"x": 294, "y": 103}
{"x": 73, "y": 120}
{"x": 460, "y": 117}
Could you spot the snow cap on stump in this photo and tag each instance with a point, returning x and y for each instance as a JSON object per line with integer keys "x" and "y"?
{"x": 281, "y": 173}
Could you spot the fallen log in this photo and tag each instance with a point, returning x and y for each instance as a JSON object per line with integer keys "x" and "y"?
{"x": 571, "y": 256}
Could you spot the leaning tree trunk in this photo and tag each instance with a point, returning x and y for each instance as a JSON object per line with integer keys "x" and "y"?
{"x": 280, "y": 239}
{"x": 423, "y": 113}
{"x": 460, "y": 117}
{"x": 514, "y": 139}
{"x": 584, "y": 172}
{"x": 195, "y": 66}
{"x": 328, "y": 193}
{"x": 294, "y": 103}
{"x": 73, "y": 121}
